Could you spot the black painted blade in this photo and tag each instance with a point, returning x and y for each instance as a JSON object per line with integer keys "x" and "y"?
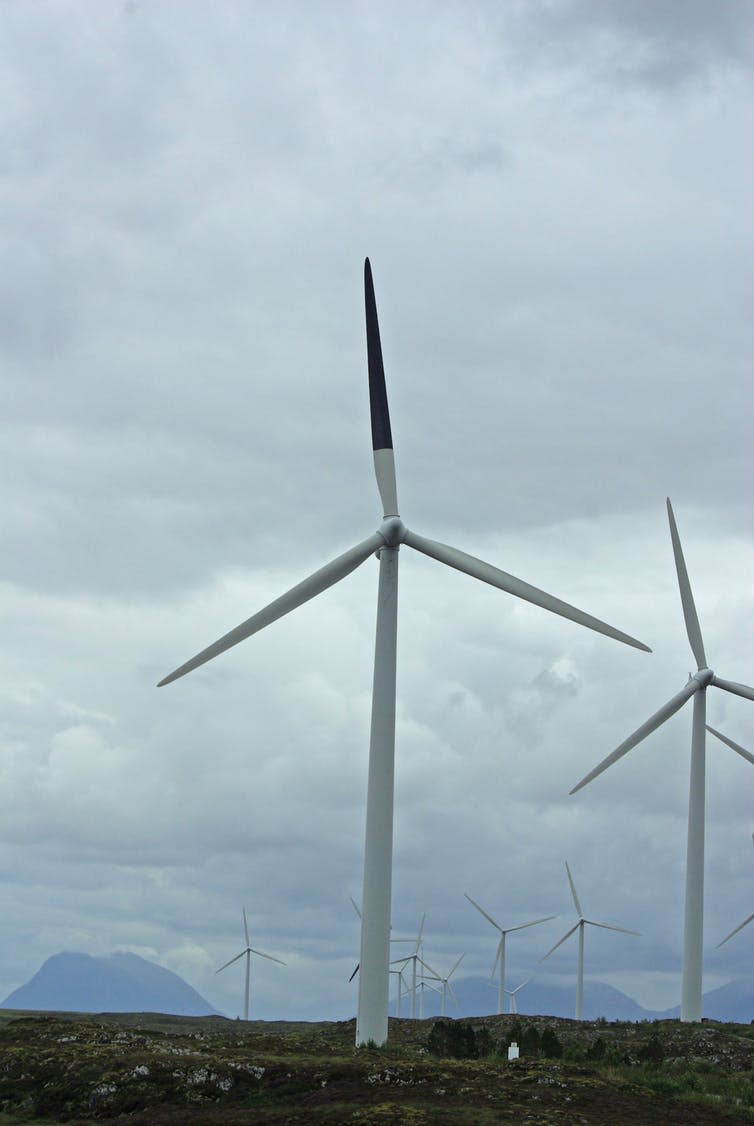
{"x": 382, "y": 438}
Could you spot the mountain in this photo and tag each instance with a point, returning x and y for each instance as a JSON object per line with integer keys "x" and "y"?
{"x": 732, "y": 1002}
{"x": 120, "y": 983}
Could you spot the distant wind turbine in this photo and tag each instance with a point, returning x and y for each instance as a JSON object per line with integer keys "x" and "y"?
{"x": 416, "y": 961}
{"x": 512, "y": 994}
{"x": 693, "y": 919}
{"x": 500, "y": 955}
{"x": 371, "y": 1023}
{"x": 247, "y": 952}
{"x": 746, "y": 922}
{"x": 580, "y": 928}
{"x": 447, "y": 988}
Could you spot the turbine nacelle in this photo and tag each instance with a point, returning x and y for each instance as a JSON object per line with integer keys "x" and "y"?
{"x": 393, "y": 531}
{"x": 703, "y": 677}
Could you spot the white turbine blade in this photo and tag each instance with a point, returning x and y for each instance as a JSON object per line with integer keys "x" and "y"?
{"x": 382, "y": 438}
{"x": 421, "y": 931}
{"x": 478, "y": 569}
{"x": 482, "y": 911}
{"x": 687, "y": 599}
{"x": 521, "y": 986}
{"x": 246, "y": 929}
{"x": 576, "y": 903}
{"x": 533, "y": 923}
{"x": 230, "y": 963}
{"x": 610, "y": 927}
{"x": 262, "y": 954}
{"x": 562, "y": 940}
{"x": 655, "y": 721}
{"x": 740, "y": 927}
{"x": 435, "y": 976}
{"x": 355, "y": 905}
{"x": 455, "y": 967}
{"x": 734, "y": 746}
{"x": 453, "y": 997}
{"x": 325, "y": 577}
{"x": 731, "y": 686}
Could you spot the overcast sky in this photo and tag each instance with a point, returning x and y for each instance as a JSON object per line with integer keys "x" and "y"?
{"x": 555, "y": 198}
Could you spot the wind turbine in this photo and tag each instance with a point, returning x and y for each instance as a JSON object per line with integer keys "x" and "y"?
{"x": 247, "y": 952}
{"x": 416, "y": 960}
{"x": 746, "y": 922}
{"x": 512, "y": 994}
{"x": 500, "y": 955}
{"x": 447, "y": 988}
{"x": 580, "y": 928}
{"x": 371, "y": 1024}
{"x": 693, "y": 919}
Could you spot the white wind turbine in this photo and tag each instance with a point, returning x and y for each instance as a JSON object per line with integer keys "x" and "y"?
{"x": 580, "y": 925}
{"x": 693, "y": 919}
{"x": 247, "y": 952}
{"x": 512, "y": 994}
{"x": 447, "y": 988}
{"x": 416, "y": 960}
{"x": 500, "y": 955}
{"x": 371, "y": 1024}
{"x": 746, "y": 922}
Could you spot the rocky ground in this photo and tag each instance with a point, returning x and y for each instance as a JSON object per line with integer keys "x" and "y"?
{"x": 150, "y": 1070}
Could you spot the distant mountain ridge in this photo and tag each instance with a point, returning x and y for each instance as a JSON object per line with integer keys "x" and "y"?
{"x": 120, "y": 983}
{"x": 733, "y": 1002}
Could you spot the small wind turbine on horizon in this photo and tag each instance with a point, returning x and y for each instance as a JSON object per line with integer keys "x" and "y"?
{"x": 416, "y": 960}
{"x": 447, "y": 988}
{"x": 512, "y": 994}
{"x": 580, "y": 925}
{"x": 746, "y": 922}
{"x": 500, "y": 955}
{"x": 696, "y": 686}
{"x": 371, "y": 1023}
{"x": 248, "y": 951}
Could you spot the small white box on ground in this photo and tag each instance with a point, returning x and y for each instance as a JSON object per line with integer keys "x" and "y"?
{"x": 513, "y": 1051}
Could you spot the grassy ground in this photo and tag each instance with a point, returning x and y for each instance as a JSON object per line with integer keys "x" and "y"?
{"x": 150, "y": 1070}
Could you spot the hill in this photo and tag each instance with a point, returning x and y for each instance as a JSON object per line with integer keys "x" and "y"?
{"x": 149, "y": 1070}
{"x": 120, "y": 983}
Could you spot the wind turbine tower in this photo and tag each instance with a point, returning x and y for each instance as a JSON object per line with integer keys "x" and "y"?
{"x": 371, "y": 1024}
{"x": 696, "y": 686}
{"x": 500, "y": 955}
{"x": 247, "y": 952}
{"x": 580, "y": 925}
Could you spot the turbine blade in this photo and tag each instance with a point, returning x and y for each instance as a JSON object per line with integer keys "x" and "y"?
{"x": 740, "y": 927}
{"x": 421, "y": 931}
{"x": 246, "y": 929}
{"x": 331, "y": 573}
{"x": 610, "y": 927}
{"x": 433, "y": 973}
{"x": 269, "y": 957}
{"x": 382, "y": 438}
{"x": 230, "y": 963}
{"x": 732, "y": 686}
{"x": 576, "y": 903}
{"x": 521, "y": 986}
{"x": 533, "y": 923}
{"x": 560, "y": 943}
{"x": 693, "y": 629}
{"x": 455, "y": 967}
{"x": 353, "y": 975}
{"x": 478, "y": 569}
{"x": 734, "y": 746}
{"x": 654, "y": 721}
{"x": 482, "y": 911}
{"x": 355, "y": 905}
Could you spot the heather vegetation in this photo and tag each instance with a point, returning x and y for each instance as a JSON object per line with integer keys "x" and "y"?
{"x": 149, "y": 1070}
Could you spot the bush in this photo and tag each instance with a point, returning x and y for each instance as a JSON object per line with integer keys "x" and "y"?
{"x": 458, "y": 1041}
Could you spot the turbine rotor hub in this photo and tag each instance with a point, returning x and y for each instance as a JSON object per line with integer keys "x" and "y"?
{"x": 703, "y": 677}
{"x": 393, "y": 531}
